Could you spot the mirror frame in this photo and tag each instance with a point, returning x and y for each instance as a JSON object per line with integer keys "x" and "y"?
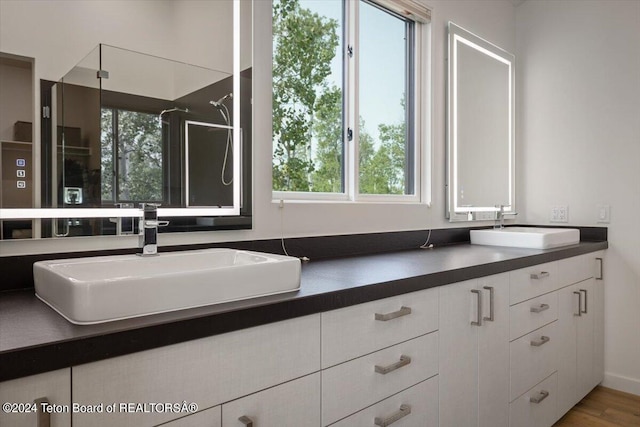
{"x": 454, "y": 212}
{"x": 47, "y": 213}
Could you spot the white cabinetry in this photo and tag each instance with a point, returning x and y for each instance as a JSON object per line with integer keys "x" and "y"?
{"x": 54, "y": 387}
{"x": 295, "y": 403}
{"x": 415, "y": 407}
{"x": 474, "y": 353}
{"x": 581, "y": 327}
{"x": 560, "y": 360}
{"x": 373, "y": 351}
{"x": 207, "y": 371}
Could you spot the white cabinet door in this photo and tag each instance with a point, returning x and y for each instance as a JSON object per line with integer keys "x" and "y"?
{"x": 458, "y": 373}
{"x": 54, "y": 386}
{"x": 493, "y": 353}
{"x": 474, "y": 358}
{"x": 585, "y": 339}
{"x": 207, "y": 371}
{"x": 581, "y": 331}
{"x": 296, "y": 403}
{"x": 568, "y": 299}
{"x": 597, "y": 305}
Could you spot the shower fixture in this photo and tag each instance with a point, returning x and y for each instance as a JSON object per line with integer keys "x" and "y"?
{"x": 219, "y": 102}
{"x": 219, "y": 105}
{"x": 170, "y": 110}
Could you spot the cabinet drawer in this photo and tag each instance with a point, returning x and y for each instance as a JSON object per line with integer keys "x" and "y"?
{"x": 54, "y": 386}
{"x": 419, "y": 403}
{"x": 354, "y": 331}
{"x": 533, "y": 358}
{"x": 211, "y": 417}
{"x": 354, "y": 385}
{"x": 530, "y": 315}
{"x": 206, "y": 371}
{"x": 523, "y": 412}
{"x": 296, "y": 403}
{"x": 531, "y": 282}
{"x": 575, "y": 269}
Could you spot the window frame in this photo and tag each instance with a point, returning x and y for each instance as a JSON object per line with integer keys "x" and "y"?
{"x": 418, "y": 111}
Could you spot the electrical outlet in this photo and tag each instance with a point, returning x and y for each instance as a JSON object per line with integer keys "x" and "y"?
{"x": 559, "y": 213}
{"x": 604, "y": 214}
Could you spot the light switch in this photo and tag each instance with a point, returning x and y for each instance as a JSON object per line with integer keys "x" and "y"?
{"x": 604, "y": 214}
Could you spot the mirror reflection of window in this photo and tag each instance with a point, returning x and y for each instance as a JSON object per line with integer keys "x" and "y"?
{"x": 131, "y": 156}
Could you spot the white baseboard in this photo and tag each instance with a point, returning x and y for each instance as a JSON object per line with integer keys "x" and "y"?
{"x": 618, "y": 382}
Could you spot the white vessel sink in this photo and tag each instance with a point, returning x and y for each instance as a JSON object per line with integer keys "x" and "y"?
{"x": 102, "y": 289}
{"x": 526, "y": 237}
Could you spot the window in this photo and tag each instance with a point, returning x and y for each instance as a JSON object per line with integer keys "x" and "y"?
{"x": 131, "y": 157}
{"x": 345, "y": 87}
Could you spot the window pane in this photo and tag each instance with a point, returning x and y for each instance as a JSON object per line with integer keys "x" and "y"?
{"x": 106, "y": 155}
{"x": 307, "y": 96}
{"x": 139, "y": 156}
{"x": 386, "y": 151}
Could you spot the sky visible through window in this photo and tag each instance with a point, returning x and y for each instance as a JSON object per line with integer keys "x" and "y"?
{"x": 382, "y": 85}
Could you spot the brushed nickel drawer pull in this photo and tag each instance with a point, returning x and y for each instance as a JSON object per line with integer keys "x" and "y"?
{"x": 540, "y": 308}
{"x": 579, "y": 313}
{"x": 384, "y": 370}
{"x": 385, "y": 422}
{"x": 539, "y": 397}
{"x": 541, "y": 275}
{"x": 543, "y": 340}
{"x": 601, "y": 275}
{"x": 43, "y": 419}
{"x": 246, "y": 421}
{"x": 478, "y": 321}
{"x": 585, "y": 301}
{"x": 491, "y": 317}
{"x": 388, "y": 316}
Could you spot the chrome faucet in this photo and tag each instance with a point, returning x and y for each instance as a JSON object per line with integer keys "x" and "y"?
{"x": 148, "y": 229}
{"x": 500, "y": 214}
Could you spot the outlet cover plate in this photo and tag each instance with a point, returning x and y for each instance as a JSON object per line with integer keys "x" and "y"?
{"x": 604, "y": 214}
{"x": 559, "y": 213}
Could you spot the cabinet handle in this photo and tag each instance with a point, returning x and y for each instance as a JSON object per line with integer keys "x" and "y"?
{"x": 579, "y": 313}
{"x": 539, "y": 397}
{"x": 388, "y": 316}
{"x": 401, "y": 413}
{"x": 543, "y": 340}
{"x": 478, "y": 321}
{"x": 246, "y": 421}
{"x": 384, "y": 370}
{"x": 540, "y": 308}
{"x": 43, "y": 419}
{"x": 491, "y": 304}
{"x": 601, "y": 276}
{"x": 585, "y": 300}
{"x": 541, "y": 275}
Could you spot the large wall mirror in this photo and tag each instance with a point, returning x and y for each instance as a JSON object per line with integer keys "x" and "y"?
{"x": 124, "y": 126}
{"x": 480, "y": 128}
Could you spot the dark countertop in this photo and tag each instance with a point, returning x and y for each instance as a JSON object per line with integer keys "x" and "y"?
{"x": 35, "y": 339}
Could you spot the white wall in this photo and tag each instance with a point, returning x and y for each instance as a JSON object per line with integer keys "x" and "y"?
{"x": 579, "y": 144}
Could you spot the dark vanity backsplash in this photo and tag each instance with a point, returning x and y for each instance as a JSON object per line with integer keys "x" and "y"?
{"x": 16, "y": 272}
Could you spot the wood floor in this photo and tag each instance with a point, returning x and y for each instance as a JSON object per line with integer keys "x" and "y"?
{"x": 604, "y": 407}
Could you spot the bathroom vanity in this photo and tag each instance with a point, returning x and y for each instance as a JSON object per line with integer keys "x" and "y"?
{"x": 458, "y": 335}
